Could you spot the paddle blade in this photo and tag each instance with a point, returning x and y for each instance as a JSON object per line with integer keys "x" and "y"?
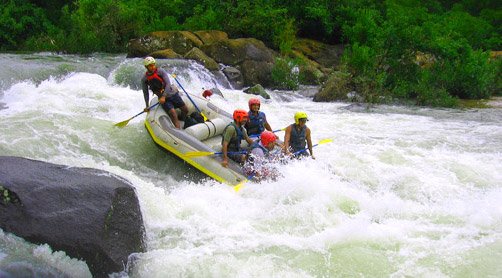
{"x": 123, "y": 123}
{"x": 196, "y": 154}
{"x": 324, "y": 141}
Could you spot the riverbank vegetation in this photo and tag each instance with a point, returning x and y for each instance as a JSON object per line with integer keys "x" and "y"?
{"x": 431, "y": 52}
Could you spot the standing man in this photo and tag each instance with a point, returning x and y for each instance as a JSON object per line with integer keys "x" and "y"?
{"x": 157, "y": 80}
{"x": 297, "y": 136}
{"x": 233, "y": 133}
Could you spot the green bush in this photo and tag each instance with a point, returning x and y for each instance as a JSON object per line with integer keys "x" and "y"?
{"x": 286, "y": 37}
{"x": 361, "y": 59}
{"x": 469, "y": 76}
{"x": 20, "y": 21}
{"x": 285, "y": 74}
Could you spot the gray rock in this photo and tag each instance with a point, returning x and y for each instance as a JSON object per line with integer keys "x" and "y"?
{"x": 234, "y": 76}
{"x": 90, "y": 214}
{"x": 199, "y": 56}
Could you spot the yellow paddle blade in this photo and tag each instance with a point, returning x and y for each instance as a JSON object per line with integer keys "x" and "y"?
{"x": 324, "y": 141}
{"x": 123, "y": 123}
{"x": 195, "y": 154}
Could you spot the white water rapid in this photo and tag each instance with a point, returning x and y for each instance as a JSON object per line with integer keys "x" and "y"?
{"x": 400, "y": 192}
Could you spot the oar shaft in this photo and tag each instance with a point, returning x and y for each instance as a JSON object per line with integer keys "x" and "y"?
{"x": 144, "y": 111}
{"x": 239, "y": 152}
{"x": 274, "y": 131}
{"x": 124, "y": 123}
{"x": 188, "y": 95}
{"x": 320, "y": 142}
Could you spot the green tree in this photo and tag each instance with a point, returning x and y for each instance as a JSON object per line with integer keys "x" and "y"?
{"x": 19, "y": 21}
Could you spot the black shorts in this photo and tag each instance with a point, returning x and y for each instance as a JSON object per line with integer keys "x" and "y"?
{"x": 173, "y": 102}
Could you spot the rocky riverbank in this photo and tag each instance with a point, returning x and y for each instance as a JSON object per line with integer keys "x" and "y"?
{"x": 246, "y": 62}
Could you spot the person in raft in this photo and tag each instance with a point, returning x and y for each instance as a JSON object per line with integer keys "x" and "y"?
{"x": 233, "y": 133}
{"x": 257, "y": 122}
{"x": 297, "y": 136}
{"x": 258, "y": 164}
{"x": 157, "y": 80}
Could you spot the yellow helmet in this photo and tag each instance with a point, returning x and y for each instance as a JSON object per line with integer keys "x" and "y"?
{"x": 148, "y": 61}
{"x": 300, "y": 115}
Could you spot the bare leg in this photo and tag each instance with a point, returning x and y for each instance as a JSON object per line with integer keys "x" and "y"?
{"x": 184, "y": 112}
{"x": 174, "y": 118}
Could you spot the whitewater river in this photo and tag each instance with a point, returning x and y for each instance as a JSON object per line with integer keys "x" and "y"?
{"x": 400, "y": 192}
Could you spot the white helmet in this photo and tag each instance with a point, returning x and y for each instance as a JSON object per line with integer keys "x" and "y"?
{"x": 148, "y": 61}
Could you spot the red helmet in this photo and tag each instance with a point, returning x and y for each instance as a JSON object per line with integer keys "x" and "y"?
{"x": 240, "y": 114}
{"x": 207, "y": 93}
{"x": 253, "y": 101}
{"x": 267, "y": 137}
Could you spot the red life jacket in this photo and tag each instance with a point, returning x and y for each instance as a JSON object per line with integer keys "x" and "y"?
{"x": 155, "y": 82}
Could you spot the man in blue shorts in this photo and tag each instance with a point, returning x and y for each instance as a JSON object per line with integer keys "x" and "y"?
{"x": 157, "y": 80}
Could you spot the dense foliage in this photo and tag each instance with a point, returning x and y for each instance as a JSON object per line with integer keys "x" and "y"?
{"x": 431, "y": 51}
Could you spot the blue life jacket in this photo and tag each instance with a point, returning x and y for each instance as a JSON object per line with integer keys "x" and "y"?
{"x": 256, "y": 123}
{"x": 235, "y": 142}
{"x": 298, "y": 139}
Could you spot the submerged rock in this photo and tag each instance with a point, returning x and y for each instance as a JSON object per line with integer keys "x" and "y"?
{"x": 90, "y": 214}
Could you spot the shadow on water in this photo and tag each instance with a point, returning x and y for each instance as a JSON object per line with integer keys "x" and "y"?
{"x": 181, "y": 170}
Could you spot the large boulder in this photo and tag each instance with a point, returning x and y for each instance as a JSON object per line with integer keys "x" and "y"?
{"x": 235, "y": 51}
{"x": 326, "y": 55}
{"x": 90, "y": 214}
{"x": 211, "y": 36}
{"x": 250, "y": 55}
{"x": 234, "y": 76}
{"x": 179, "y": 41}
{"x": 338, "y": 87}
{"x": 311, "y": 72}
{"x": 167, "y": 53}
{"x": 257, "y": 72}
{"x": 199, "y": 56}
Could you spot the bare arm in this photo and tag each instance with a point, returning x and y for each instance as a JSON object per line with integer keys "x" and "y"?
{"x": 309, "y": 142}
{"x": 224, "y": 150}
{"x": 249, "y": 140}
{"x": 287, "y": 136}
{"x": 268, "y": 127}
{"x": 144, "y": 86}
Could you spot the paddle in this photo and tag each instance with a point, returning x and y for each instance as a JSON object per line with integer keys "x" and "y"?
{"x": 124, "y": 123}
{"x": 189, "y": 97}
{"x": 274, "y": 131}
{"x": 196, "y": 154}
{"x": 324, "y": 141}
